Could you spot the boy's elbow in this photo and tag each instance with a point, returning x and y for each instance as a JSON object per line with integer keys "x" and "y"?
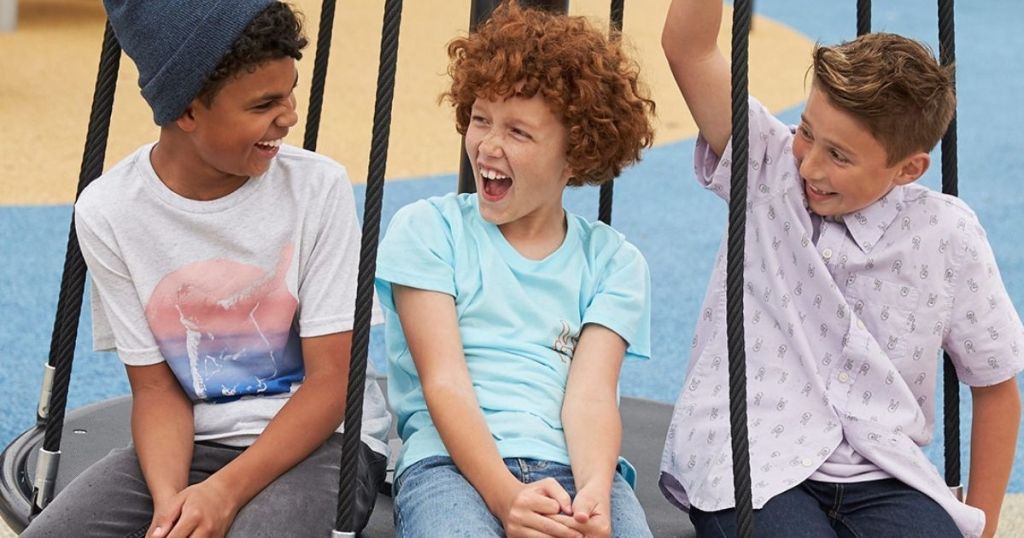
{"x": 1004, "y": 395}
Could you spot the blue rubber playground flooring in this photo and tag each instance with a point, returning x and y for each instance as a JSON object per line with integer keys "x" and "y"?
{"x": 658, "y": 206}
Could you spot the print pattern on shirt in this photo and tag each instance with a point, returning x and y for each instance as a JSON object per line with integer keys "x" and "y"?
{"x": 226, "y": 328}
{"x": 844, "y": 322}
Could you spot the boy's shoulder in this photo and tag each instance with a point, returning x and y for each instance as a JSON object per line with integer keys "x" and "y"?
{"x": 451, "y": 208}
{"x": 116, "y": 185}
{"x": 298, "y": 164}
{"x": 601, "y": 242}
{"x": 944, "y": 211}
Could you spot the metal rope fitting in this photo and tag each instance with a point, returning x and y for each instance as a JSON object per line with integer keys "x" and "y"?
{"x": 43, "y": 409}
{"x": 958, "y": 492}
{"x": 342, "y": 534}
{"x": 46, "y": 478}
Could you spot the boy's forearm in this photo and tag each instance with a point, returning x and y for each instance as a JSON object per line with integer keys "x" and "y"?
{"x": 690, "y": 41}
{"x": 590, "y": 410}
{"x": 593, "y": 433}
{"x": 456, "y": 414}
{"x": 995, "y": 421}
{"x": 163, "y": 434}
{"x": 691, "y": 29}
{"x": 306, "y": 421}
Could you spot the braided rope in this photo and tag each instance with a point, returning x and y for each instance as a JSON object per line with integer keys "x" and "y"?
{"x": 863, "y": 17}
{"x": 950, "y": 384}
{"x": 316, "y": 92}
{"x": 604, "y": 206}
{"x": 69, "y": 306}
{"x": 734, "y": 271}
{"x": 367, "y": 265}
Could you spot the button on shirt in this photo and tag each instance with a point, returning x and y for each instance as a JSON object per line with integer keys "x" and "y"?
{"x": 843, "y": 333}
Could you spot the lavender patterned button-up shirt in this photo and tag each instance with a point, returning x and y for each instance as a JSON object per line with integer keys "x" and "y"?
{"x": 843, "y": 334}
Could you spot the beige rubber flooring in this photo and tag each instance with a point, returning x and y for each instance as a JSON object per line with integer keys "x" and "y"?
{"x": 47, "y": 85}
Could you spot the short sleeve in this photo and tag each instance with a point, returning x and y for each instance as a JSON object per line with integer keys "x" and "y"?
{"x": 622, "y": 302}
{"x": 770, "y": 145}
{"x": 417, "y": 251}
{"x": 119, "y": 319}
{"x": 327, "y": 284}
{"x": 985, "y": 332}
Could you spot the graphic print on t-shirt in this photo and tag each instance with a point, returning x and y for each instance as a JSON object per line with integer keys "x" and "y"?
{"x": 227, "y": 329}
{"x": 565, "y": 344}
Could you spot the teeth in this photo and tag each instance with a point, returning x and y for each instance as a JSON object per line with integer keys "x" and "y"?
{"x": 487, "y": 173}
{"x": 270, "y": 143}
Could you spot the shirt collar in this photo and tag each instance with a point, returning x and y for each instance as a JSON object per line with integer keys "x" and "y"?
{"x": 867, "y": 225}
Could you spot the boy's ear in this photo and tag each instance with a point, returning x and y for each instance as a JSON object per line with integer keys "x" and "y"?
{"x": 187, "y": 121}
{"x": 912, "y": 168}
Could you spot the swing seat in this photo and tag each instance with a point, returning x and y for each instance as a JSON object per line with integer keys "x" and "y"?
{"x": 92, "y": 431}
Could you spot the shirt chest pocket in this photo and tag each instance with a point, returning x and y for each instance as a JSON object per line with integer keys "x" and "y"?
{"x": 886, "y": 310}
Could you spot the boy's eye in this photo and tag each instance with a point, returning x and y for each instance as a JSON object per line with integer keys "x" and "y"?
{"x": 480, "y": 120}
{"x": 839, "y": 157}
{"x": 522, "y": 134}
{"x": 805, "y": 132}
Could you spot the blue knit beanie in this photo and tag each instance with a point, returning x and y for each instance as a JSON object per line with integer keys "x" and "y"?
{"x": 176, "y": 44}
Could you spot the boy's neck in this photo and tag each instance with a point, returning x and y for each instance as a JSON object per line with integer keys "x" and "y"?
{"x": 181, "y": 169}
{"x": 536, "y": 239}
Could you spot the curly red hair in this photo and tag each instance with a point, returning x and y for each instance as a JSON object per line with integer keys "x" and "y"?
{"x": 586, "y": 78}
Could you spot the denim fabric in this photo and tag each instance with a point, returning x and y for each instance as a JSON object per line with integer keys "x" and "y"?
{"x": 434, "y": 500}
{"x": 877, "y": 508}
{"x": 110, "y": 499}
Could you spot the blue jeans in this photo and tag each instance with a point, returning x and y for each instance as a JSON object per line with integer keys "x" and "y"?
{"x": 433, "y": 499}
{"x": 876, "y": 508}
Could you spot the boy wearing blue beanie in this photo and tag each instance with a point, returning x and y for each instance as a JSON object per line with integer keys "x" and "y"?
{"x": 224, "y": 268}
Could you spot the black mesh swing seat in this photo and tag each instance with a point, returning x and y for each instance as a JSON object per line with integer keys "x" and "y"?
{"x": 92, "y": 431}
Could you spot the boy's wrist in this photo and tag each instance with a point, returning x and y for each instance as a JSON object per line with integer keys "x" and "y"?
{"x": 230, "y": 489}
{"x": 501, "y": 496}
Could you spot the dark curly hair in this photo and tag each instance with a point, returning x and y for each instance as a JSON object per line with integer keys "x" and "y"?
{"x": 584, "y": 76}
{"x": 274, "y": 33}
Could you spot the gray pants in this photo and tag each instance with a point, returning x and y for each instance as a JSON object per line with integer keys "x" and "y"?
{"x": 111, "y": 499}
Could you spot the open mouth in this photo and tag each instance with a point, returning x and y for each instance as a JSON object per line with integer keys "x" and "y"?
{"x": 269, "y": 145}
{"x": 495, "y": 184}
{"x": 815, "y": 192}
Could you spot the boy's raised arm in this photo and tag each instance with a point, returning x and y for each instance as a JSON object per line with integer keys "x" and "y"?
{"x": 701, "y": 71}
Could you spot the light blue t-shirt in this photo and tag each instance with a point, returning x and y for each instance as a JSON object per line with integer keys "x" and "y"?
{"x": 519, "y": 319}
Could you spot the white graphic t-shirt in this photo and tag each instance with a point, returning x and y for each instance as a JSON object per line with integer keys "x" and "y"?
{"x": 223, "y": 290}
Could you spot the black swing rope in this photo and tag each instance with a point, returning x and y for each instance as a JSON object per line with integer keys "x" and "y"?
{"x": 72, "y": 286}
{"x": 950, "y": 384}
{"x": 863, "y": 17}
{"x": 741, "y": 16}
{"x": 604, "y": 208}
{"x": 345, "y": 522}
{"x": 316, "y": 91}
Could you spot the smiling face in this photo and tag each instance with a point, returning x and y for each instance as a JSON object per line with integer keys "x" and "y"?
{"x": 517, "y": 147}
{"x": 239, "y": 133}
{"x": 843, "y": 166}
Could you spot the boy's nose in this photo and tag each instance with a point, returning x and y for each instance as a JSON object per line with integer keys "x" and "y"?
{"x": 809, "y": 168}
{"x": 491, "y": 146}
{"x": 289, "y": 117}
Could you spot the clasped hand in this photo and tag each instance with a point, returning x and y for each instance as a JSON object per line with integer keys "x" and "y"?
{"x": 202, "y": 510}
{"x": 544, "y": 508}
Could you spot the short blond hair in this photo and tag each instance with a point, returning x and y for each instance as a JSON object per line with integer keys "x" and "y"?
{"x": 893, "y": 86}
